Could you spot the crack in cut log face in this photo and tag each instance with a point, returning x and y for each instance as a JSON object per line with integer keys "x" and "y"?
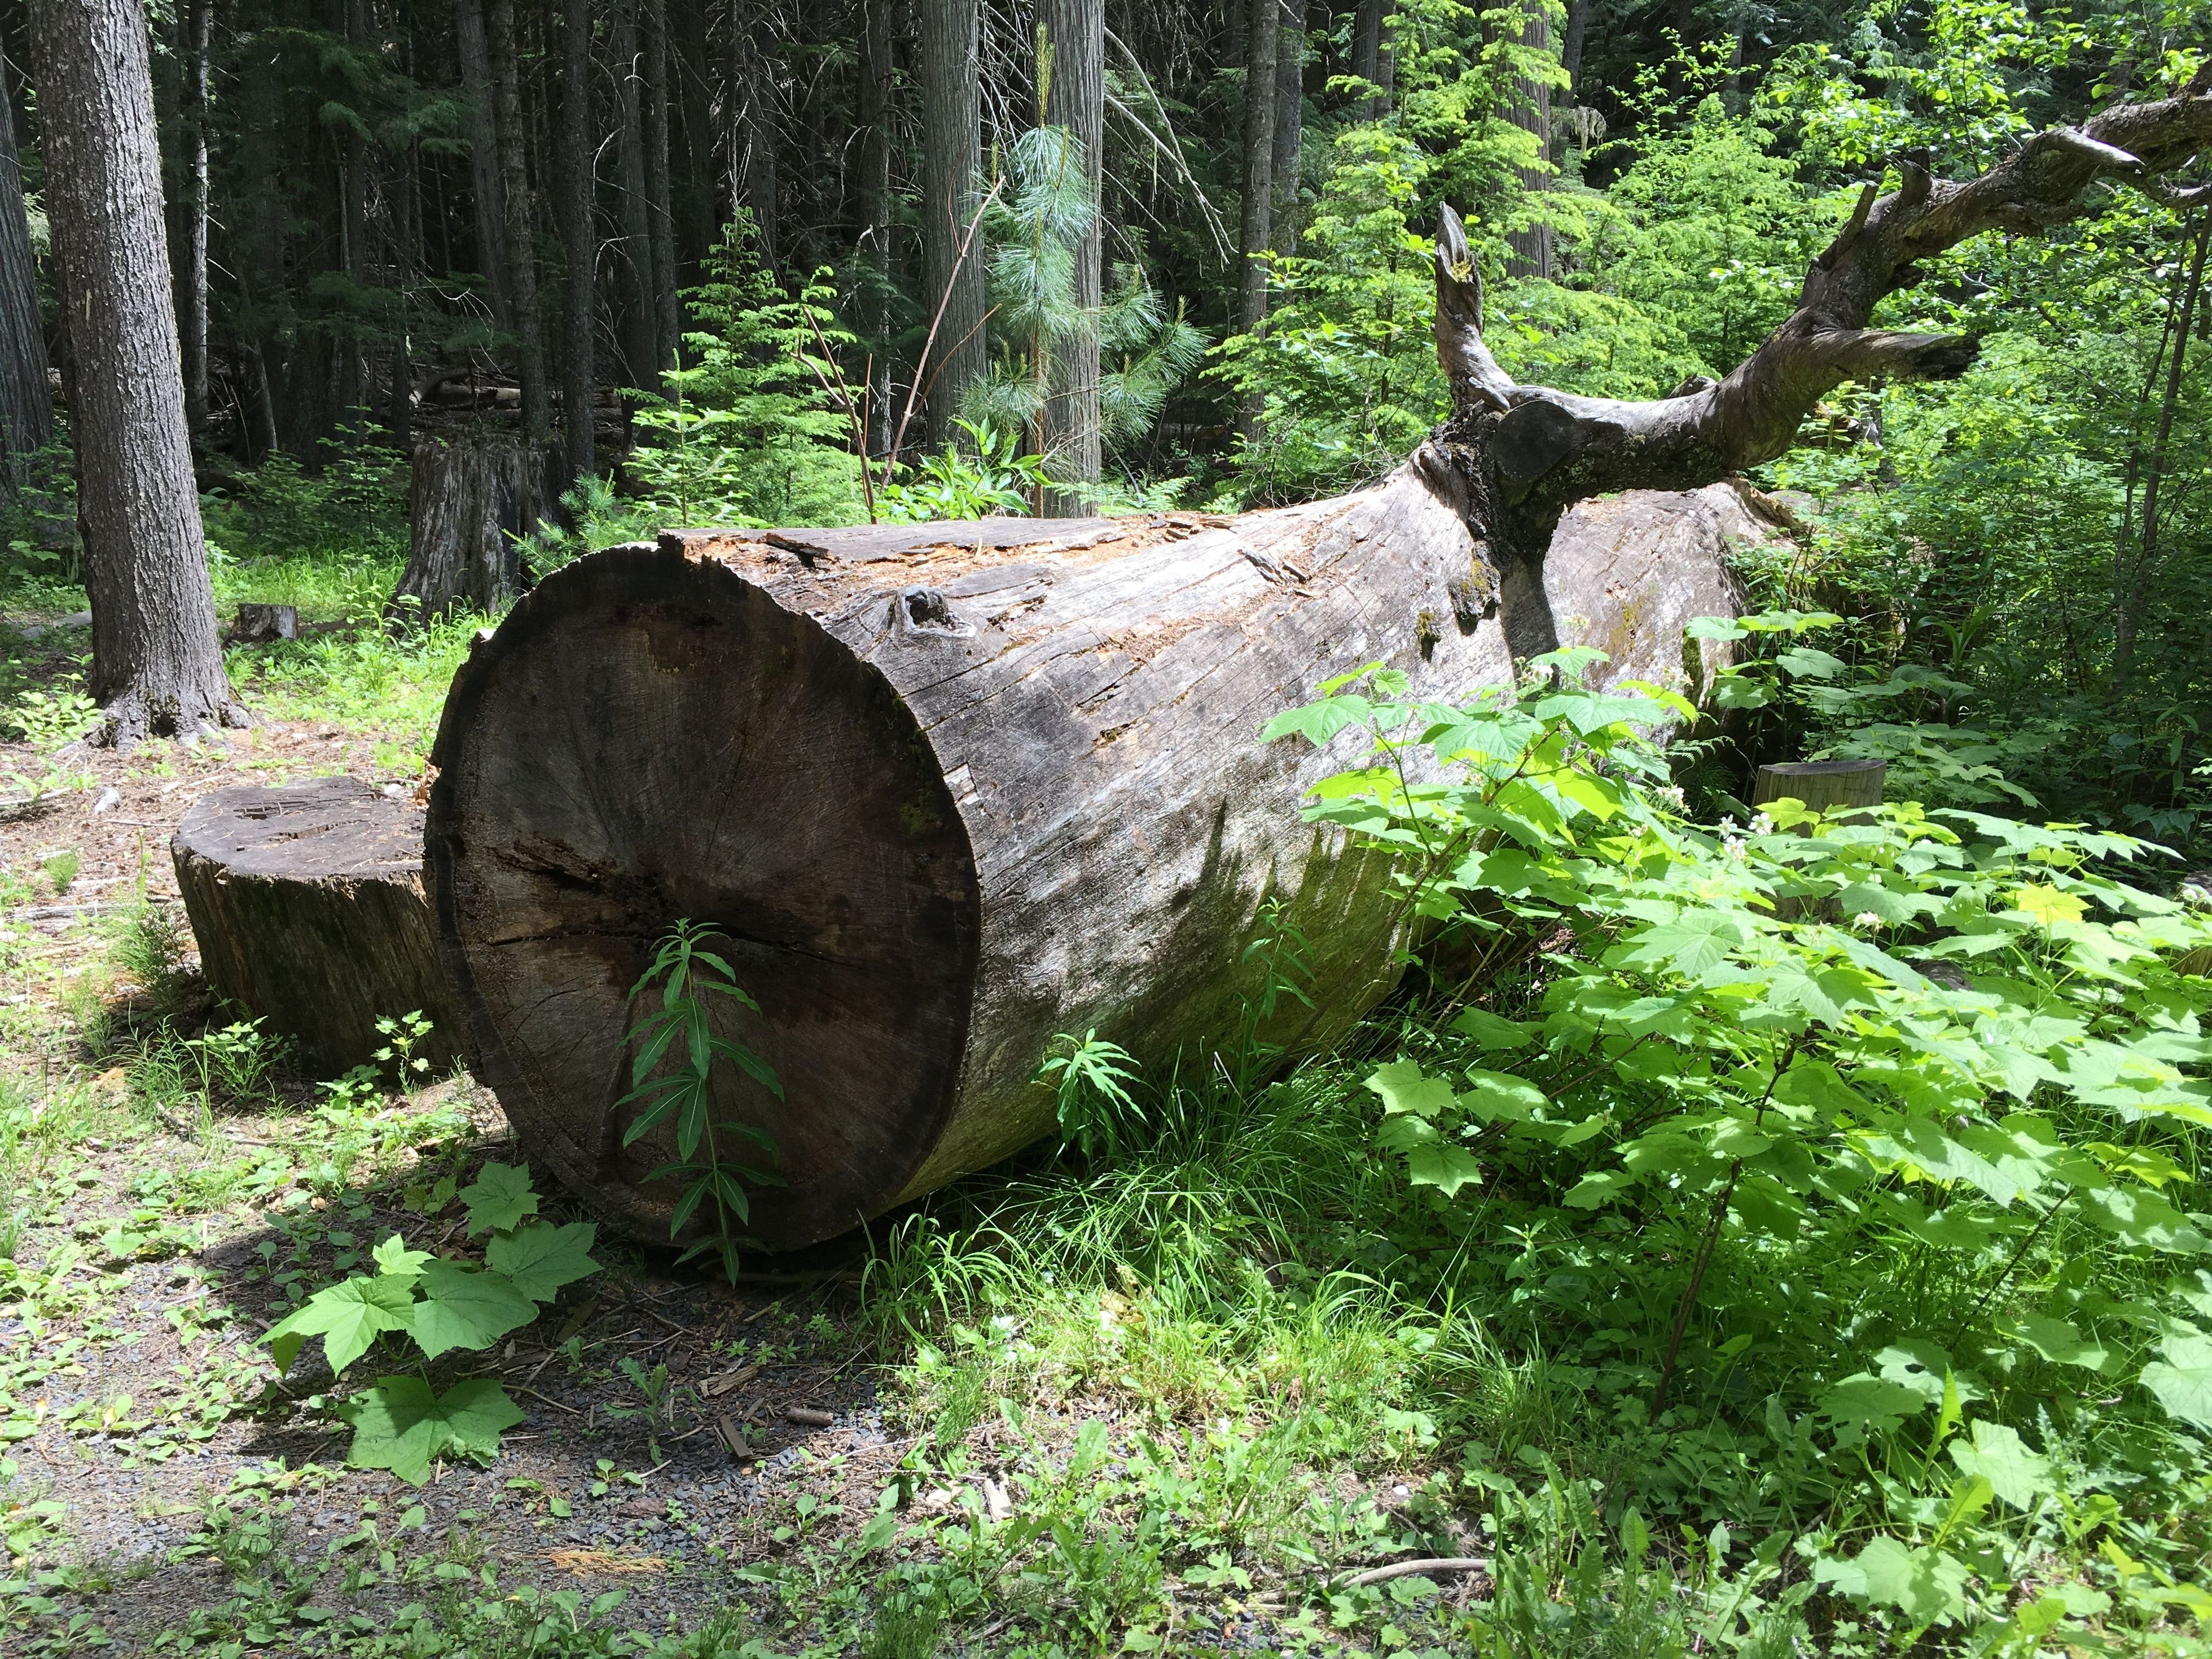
{"x": 940, "y": 821}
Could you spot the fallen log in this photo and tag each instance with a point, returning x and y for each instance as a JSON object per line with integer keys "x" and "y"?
{"x": 306, "y": 901}
{"x": 950, "y": 791}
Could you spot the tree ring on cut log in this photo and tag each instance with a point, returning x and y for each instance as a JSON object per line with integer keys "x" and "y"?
{"x": 735, "y": 764}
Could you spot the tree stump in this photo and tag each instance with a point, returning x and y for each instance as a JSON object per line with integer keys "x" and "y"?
{"x": 467, "y": 501}
{"x": 264, "y": 624}
{"x": 307, "y": 904}
{"x": 1823, "y": 786}
{"x": 948, "y": 791}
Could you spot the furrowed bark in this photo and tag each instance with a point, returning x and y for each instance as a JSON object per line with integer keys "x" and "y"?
{"x": 157, "y": 668}
{"x": 27, "y": 407}
{"x": 952, "y": 134}
{"x": 1075, "y": 32}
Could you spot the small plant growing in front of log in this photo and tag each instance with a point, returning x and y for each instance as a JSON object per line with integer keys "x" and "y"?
{"x": 1097, "y": 1115}
{"x": 706, "y": 1151}
{"x": 403, "y": 1424}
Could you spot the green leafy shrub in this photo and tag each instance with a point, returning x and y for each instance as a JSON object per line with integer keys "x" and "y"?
{"x": 1967, "y": 1052}
{"x": 405, "y": 1423}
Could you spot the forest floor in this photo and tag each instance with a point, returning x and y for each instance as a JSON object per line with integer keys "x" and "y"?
{"x": 166, "y": 1490}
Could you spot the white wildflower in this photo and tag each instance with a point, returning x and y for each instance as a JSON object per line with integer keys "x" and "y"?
{"x": 1735, "y": 846}
{"x": 1866, "y": 919}
{"x": 1761, "y": 824}
{"x": 1729, "y": 826}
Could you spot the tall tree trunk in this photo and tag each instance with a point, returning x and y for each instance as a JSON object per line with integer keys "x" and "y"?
{"x": 755, "y": 125}
{"x": 952, "y": 134}
{"x": 483, "y": 157}
{"x": 353, "y": 373}
{"x": 157, "y": 664}
{"x": 1074, "y": 34}
{"x": 522, "y": 258}
{"x": 406, "y": 269}
{"x": 580, "y": 235}
{"x": 1255, "y": 235}
{"x": 660, "y": 209}
{"x": 2134, "y": 587}
{"x": 1532, "y": 114}
{"x": 641, "y": 324}
{"x": 27, "y": 408}
{"x": 1371, "y": 60}
{"x": 192, "y": 284}
{"x": 1571, "y": 54}
{"x": 1290, "y": 125}
{"x": 878, "y": 84}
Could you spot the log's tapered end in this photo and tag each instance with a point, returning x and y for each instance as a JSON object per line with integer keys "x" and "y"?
{"x": 649, "y": 737}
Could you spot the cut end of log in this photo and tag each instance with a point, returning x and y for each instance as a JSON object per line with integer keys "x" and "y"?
{"x": 734, "y": 764}
{"x": 306, "y": 901}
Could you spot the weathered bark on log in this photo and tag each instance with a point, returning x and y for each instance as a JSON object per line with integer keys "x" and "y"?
{"x": 307, "y": 904}
{"x": 465, "y": 511}
{"x": 949, "y": 791}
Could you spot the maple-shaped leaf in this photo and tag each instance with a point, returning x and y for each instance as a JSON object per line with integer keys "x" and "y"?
{"x": 400, "y": 1424}
{"x": 1444, "y": 1167}
{"x": 500, "y": 1198}
{"x": 462, "y": 1308}
{"x": 396, "y": 1261}
{"x": 347, "y": 1316}
{"x": 541, "y": 1258}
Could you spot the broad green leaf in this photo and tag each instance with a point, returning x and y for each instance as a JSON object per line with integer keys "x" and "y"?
{"x": 1716, "y": 628}
{"x": 1403, "y": 1088}
{"x": 1735, "y": 691}
{"x": 1496, "y": 1095}
{"x": 2060, "y": 1343}
{"x": 499, "y": 1199}
{"x": 1871, "y": 898}
{"x": 1998, "y": 1455}
{"x": 541, "y": 1258}
{"x": 1491, "y": 1032}
{"x": 394, "y": 1260}
{"x": 2048, "y": 904}
{"x": 2141, "y": 1217}
{"x": 1861, "y": 1405}
{"x": 1699, "y": 940}
{"x": 1403, "y": 1132}
{"x": 1445, "y": 1167}
{"x": 1597, "y": 1189}
{"x": 464, "y": 1309}
{"x": 2183, "y": 1381}
{"x": 1927, "y": 1585}
{"x": 347, "y": 1316}
{"x": 401, "y": 1425}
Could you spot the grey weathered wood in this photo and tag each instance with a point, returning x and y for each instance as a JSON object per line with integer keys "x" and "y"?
{"x": 1822, "y": 784}
{"x": 949, "y": 802}
{"x": 307, "y": 904}
{"x": 259, "y": 624}
{"x": 466, "y": 499}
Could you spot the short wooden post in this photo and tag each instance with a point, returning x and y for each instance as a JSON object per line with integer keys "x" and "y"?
{"x": 1823, "y": 786}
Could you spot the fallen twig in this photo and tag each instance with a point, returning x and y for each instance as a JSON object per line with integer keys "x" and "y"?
{"x": 1429, "y": 1564}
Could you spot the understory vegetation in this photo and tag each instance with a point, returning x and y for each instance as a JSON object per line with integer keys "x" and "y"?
{"x": 1744, "y": 1230}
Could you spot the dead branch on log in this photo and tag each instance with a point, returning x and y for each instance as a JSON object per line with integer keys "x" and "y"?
{"x": 1522, "y": 455}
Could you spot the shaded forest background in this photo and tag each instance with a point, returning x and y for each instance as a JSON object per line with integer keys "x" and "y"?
{"x": 755, "y": 263}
